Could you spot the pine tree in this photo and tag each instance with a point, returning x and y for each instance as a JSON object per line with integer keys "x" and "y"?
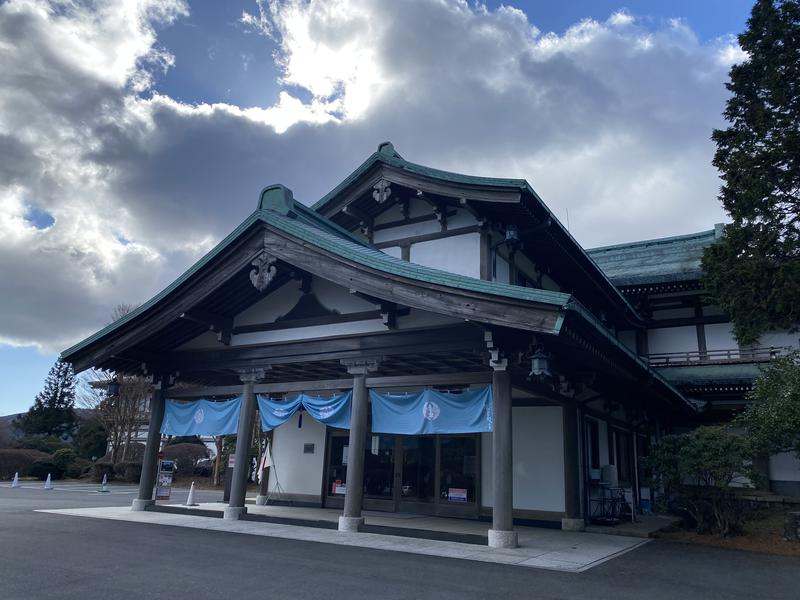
{"x": 753, "y": 273}
{"x": 53, "y": 410}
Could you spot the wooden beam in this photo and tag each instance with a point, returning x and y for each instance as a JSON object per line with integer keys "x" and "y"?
{"x": 407, "y": 381}
{"x": 411, "y": 220}
{"x": 427, "y": 237}
{"x": 416, "y": 341}
{"x": 315, "y": 321}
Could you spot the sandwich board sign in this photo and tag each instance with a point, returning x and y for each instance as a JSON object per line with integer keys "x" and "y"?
{"x": 166, "y": 468}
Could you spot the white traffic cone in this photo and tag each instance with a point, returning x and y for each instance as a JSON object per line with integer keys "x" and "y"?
{"x": 48, "y": 484}
{"x": 104, "y": 485}
{"x": 190, "y": 499}
{"x": 15, "y": 481}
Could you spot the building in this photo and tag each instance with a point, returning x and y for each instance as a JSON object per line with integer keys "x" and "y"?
{"x": 405, "y": 278}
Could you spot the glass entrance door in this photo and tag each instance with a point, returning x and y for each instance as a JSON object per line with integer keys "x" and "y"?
{"x": 433, "y": 474}
{"x": 418, "y": 474}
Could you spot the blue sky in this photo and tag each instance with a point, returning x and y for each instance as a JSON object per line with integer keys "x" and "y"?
{"x": 132, "y": 142}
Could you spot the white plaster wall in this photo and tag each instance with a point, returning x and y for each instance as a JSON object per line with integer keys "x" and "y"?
{"x": 393, "y": 251}
{"x": 460, "y": 254}
{"x": 672, "y": 339}
{"x": 502, "y": 270}
{"x": 784, "y": 467}
{"x": 719, "y": 336}
{"x": 298, "y": 473}
{"x": 281, "y": 301}
{"x": 462, "y": 218}
{"x": 538, "y": 450}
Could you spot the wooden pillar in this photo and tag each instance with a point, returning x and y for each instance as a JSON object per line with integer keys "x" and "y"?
{"x": 502, "y": 534}
{"x": 351, "y": 519}
{"x": 147, "y": 479}
{"x": 241, "y": 467}
{"x": 573, "y": 516}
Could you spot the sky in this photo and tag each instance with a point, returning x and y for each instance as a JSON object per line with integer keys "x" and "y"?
{"x": 135, "y": 134}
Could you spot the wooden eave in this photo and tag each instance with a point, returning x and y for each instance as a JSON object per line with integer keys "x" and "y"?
{"x": 159, "y": 319}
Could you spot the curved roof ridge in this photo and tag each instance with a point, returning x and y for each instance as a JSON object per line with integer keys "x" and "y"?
{"x": 655, "y": 241}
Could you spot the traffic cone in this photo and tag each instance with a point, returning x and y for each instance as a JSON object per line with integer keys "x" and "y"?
{"x": 15, "y": 481}
{"x": 48, "y": 484}
{"x": 104, "y": 485}
{"x": 190, "y": 499}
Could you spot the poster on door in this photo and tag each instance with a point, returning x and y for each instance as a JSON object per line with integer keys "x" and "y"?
{"x": 456, "y": 495}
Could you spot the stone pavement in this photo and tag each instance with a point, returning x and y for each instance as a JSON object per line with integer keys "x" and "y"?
{"x": 541, "y": 548}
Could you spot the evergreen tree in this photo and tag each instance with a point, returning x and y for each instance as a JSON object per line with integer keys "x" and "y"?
{"x": 753, "y": 273}
{"x": 52, "y": 413}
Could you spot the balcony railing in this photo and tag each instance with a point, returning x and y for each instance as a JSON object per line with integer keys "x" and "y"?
{"x": 697, "y": 357}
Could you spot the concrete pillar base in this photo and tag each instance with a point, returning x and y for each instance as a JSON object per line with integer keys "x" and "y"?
{"x": 234, "y": 513}
{"x": 350, "y": 523}
{"x": 502, "y": 539}
{"x": 573, "y": 524}
{"x": 261, "y": 500}
{"x": 139, "y": 505}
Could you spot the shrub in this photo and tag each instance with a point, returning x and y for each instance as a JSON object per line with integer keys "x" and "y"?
{"x": 77, "y": 468}
{"x": 43, "y": 467}
{"x": 699, "y": 471}
{"x": 102, "y": 468}
{"x": 128, "y": 471}
{"x": 186, "y": 457}
{"x": 18, "y": 460}
{"x": 64, "y": 457}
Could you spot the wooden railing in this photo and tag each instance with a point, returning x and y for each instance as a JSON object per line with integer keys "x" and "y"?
{"x": 697, "y": 357}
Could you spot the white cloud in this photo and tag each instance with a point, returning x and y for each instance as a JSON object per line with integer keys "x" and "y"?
{"x": 610, "y": 120}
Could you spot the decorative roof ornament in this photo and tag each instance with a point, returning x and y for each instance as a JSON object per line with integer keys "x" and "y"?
{"x": 265, "y": 270}
{"x": 382, "y": 191}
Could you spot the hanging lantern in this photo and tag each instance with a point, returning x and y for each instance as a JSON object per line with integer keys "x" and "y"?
{"x": 540, "y": 363}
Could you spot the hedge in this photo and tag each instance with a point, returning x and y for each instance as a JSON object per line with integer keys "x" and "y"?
{"x": 18, "y": 460}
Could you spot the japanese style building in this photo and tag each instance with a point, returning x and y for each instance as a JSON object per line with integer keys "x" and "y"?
{"x": 407, "y": 296}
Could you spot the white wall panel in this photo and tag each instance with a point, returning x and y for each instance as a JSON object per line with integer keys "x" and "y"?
{"x": 672, "y": 339}
{"x": 297, "y": 472}
{"x": 538, "y": 450}
{"x": 460, "y": 254}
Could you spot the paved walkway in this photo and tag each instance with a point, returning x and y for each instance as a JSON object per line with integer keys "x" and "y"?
{"x": 541, "y": 548}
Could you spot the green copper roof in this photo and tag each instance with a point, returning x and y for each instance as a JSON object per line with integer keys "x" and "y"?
{"x": 386, "y": 154}
{"x": 312, "y": 228}
{"x": 730, "y": 373}
{"x": 655, "y": 261}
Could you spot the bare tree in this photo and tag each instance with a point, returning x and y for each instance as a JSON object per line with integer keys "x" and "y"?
{"x": 123, "y": 413}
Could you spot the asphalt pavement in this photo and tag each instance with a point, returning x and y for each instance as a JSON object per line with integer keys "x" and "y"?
{"x": 56, "y": 556}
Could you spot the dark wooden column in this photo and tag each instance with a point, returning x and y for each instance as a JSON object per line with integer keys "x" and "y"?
{"x": 147, "y": 479}
{"x": 502, "y": 534}
{"x": 573, "y": 515}
{"x": 241, "y": 466}
{"x": 351, "y": 519}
